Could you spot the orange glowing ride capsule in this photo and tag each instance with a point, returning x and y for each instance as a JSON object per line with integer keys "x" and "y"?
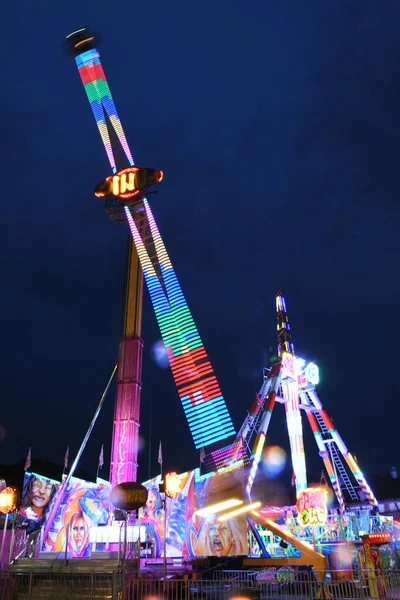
{"x": 129, "y": 184}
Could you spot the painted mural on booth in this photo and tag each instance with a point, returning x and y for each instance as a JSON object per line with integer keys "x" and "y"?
{"x": 188, "y": 534}
{"x": 84, "y": 505}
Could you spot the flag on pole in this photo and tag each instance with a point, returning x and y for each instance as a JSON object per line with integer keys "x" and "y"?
{"x": 101, "y": 457}
{"x": 66, "y": 459}
{"x": 160, "y": 454}
{"x": 293, "y": 483}
{"x": 28, "y": 460}
{"x": 202, "y": 455}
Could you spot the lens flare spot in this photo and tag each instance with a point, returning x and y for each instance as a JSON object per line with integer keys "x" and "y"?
{"x": 344, "y": 556}
{"x": 274, "y": 461}
{"x": 330, "y": 496}
{"x": 141, "y": 443}
{"x": 160, "y": 354}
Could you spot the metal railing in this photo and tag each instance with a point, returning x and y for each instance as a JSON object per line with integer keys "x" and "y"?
{"x": 233, "y": 585}
{"x": 61, "y": 586}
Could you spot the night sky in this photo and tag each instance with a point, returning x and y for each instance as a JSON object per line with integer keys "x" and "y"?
{"x": 277, "y": 126}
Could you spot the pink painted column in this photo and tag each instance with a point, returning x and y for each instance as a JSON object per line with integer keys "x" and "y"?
{"x": 125, "y": 440}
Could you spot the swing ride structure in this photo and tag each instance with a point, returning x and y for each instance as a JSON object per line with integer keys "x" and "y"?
{"x": 290, "y": 381}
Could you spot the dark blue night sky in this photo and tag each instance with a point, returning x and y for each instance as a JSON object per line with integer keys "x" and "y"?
{"x": 277, "y": 125}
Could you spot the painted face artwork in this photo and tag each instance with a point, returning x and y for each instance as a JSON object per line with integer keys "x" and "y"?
{"x": 79, "y": 532}
{"x": 151, "y": 502}
{"x": 220, "y": 537}
{"x": 41, "y": 492}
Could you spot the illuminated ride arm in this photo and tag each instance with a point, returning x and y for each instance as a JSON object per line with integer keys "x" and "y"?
{"x": 203, "y": 403}
{"x": 275, "y": 376}
{"x": 201, "y": 397}
{"x": 290, "y": 390}
{"x": 352, "y": 464}
{"x": 324, "y": 454}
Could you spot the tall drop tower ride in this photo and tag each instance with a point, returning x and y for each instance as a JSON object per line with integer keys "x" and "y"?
{"x": 126, "y": 423}
{"x": 125, "y": 194}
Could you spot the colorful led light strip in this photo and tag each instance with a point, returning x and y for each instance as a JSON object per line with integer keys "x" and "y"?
{"x": 101, "y": 102}
{"x": 203, "y": 403}
{"x": 290, "y": 391}
{"x": 355, "y": 469}
{"x": 336, "y": 437}
{"x": 260, "y": 439}
{"x": 256, "y": 455}
{"x": 324, "y": 454}
{"x": 201, "y": 397}
{"x": 198, "y": 391}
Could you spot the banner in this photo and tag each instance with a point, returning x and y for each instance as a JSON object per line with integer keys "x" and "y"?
{"x": 188, "y": 534}
{"x": 84, "y": 505}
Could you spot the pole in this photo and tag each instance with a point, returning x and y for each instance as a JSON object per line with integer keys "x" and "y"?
{"x": 66, "y": 543}
{"x": 150, "y": 431}
{"x": 4, "y": 539}
{"x": 119, "y": 547}
{"x": 125, "y": 536}
{"x": 66, "y": 481}
{"x": 12, "y": 541}
{"x": 165, "y": 537}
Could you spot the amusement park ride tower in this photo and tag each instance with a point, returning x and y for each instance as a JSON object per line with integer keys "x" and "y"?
{"x": 125, "y": 201}
{"x": 126, "y": 421}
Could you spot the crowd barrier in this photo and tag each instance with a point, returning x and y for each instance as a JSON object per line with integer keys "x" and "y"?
{"x": 243, "y": 585}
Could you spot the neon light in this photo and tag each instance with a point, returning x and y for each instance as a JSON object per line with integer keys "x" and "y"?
{"x": 288, "y": 366}
{"x": 290, "y": 389}
{"x": 128, "y": 184}
{"x": 101, "y": 102}
{"x": 198, "y": 388}
{"x": 216, "y": 508}
{"x": 256, "y": 459}
{"x": 311, "y": 506}
{"x": 201, "y": 398}
{"x": 240, "y": 511}
{"x": 295, "y": 430}
{"x": 312, "y": 373}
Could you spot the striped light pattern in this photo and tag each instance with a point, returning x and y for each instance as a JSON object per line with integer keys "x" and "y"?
{"x": 256, "y": 456}
{"x": 101, "y": 102}
{"x": 358, "y": 474}
{"x": 290, "y": 389}
{"x": 201, "y": 397}
{"x": 355, "y": 469}
{"x": 324, "y": 454}
{"x": 342, "y": 448}
{"x": 283, "y": 327}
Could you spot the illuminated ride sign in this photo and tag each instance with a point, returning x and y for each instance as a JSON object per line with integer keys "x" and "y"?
{"x": 129, "y": 184}
{"x": 129, "y": 495}
{"x": 311, "y": 506}
{"x": 294, "y": 367}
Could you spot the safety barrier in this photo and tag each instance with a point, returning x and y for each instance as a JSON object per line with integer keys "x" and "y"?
{"x": 61, "y": 586}
{"x": 245, "y": 585}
